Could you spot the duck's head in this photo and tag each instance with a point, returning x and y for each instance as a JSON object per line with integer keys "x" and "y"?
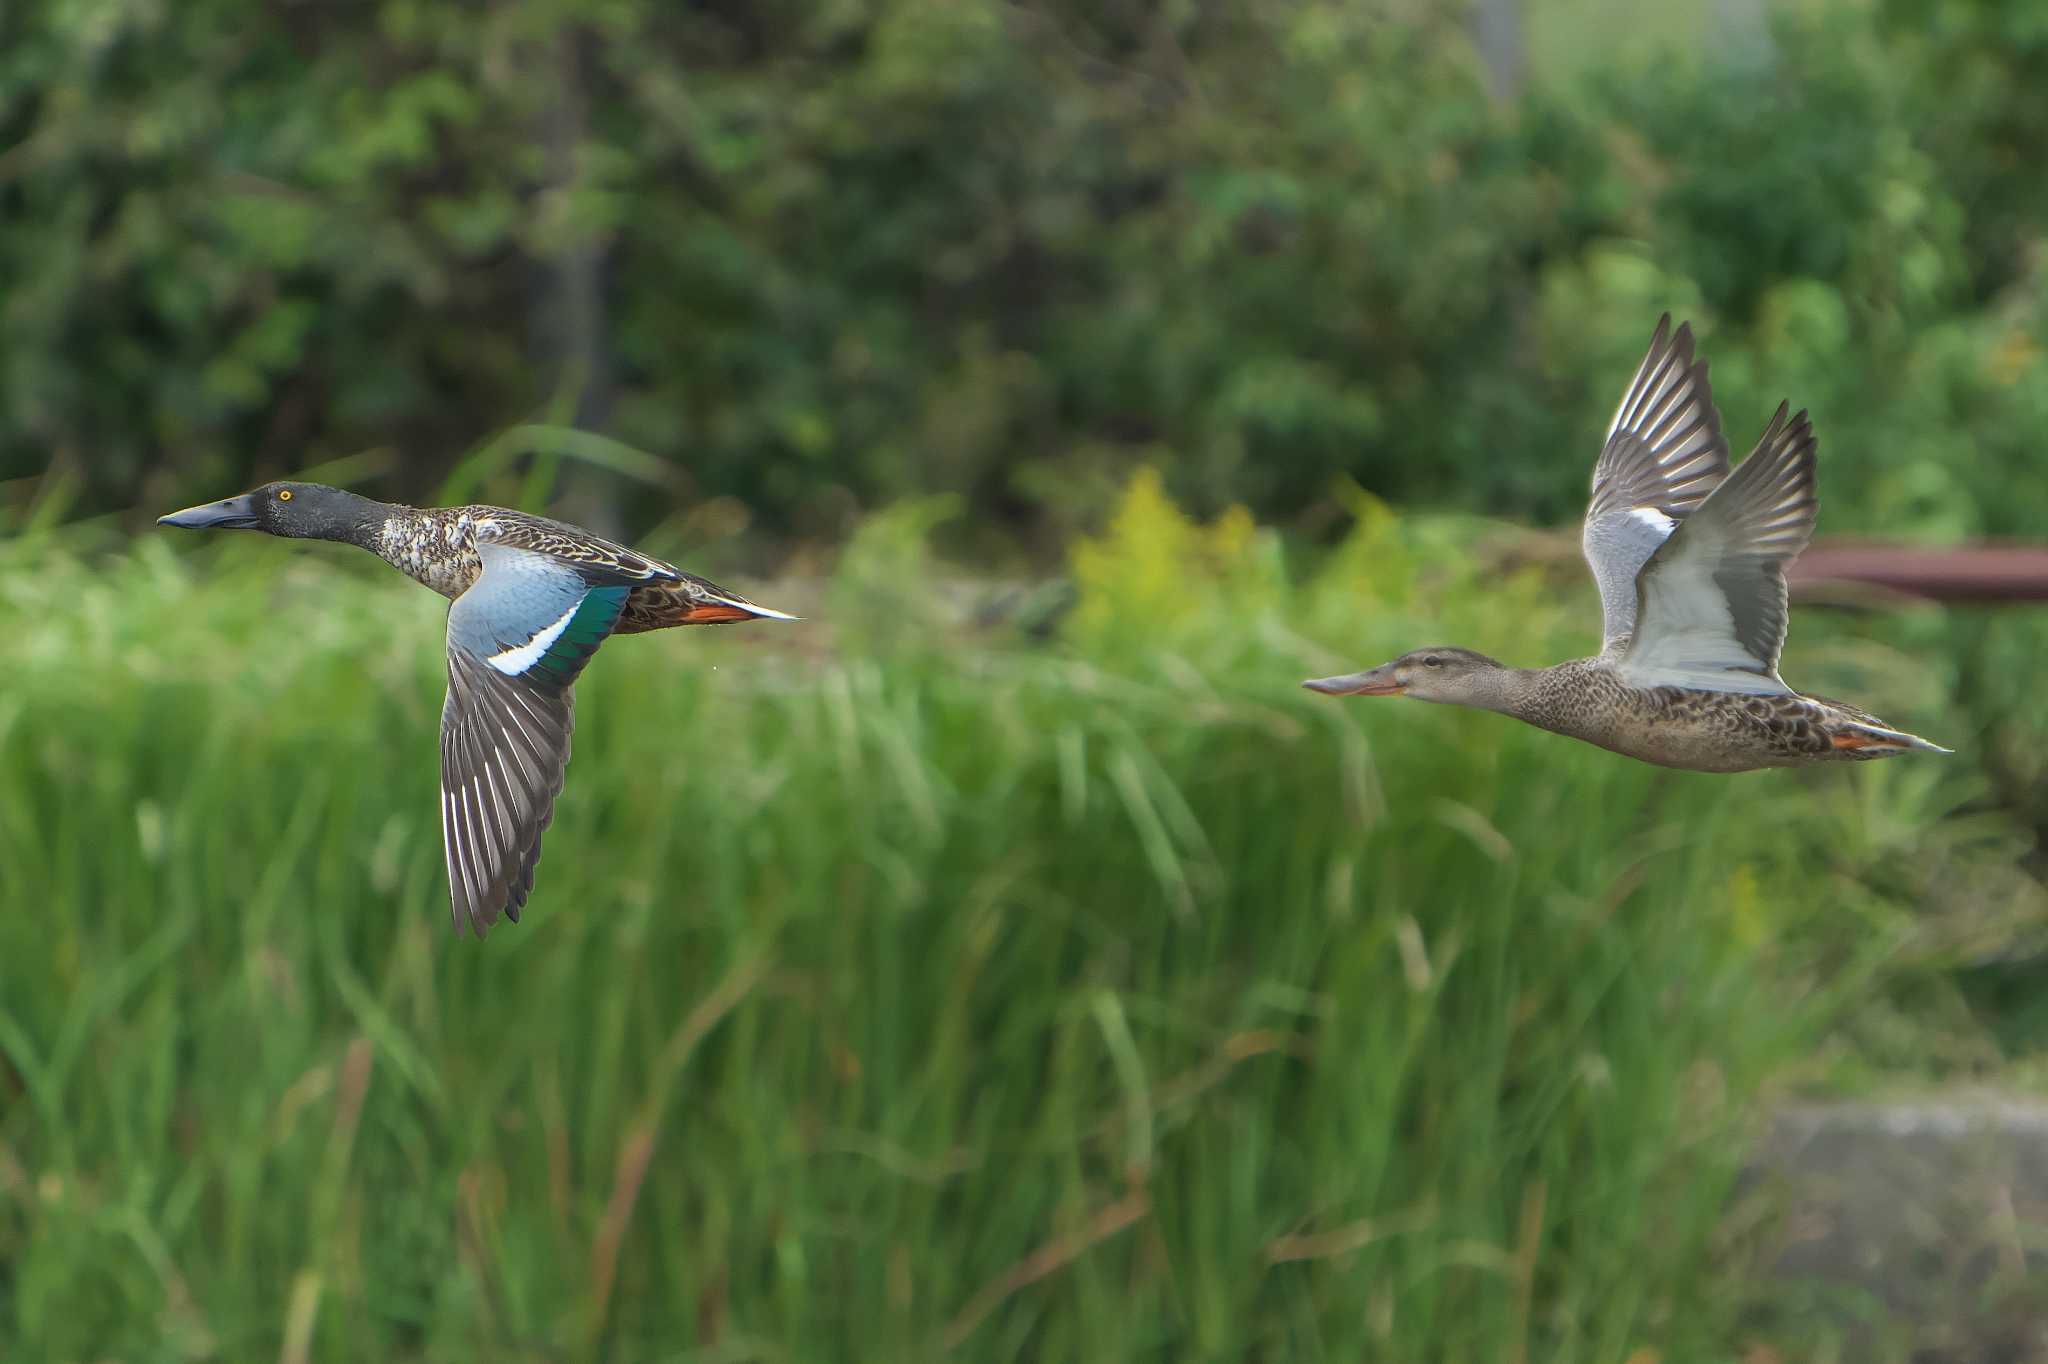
{"x": 1455, "y": 676}
{"x": 299, "y": 511}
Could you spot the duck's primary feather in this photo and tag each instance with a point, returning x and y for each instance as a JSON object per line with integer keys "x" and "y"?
{"x": 504, "y": 752}
{"x": 1663, "y": 456}
{"x": 1712, "y": 601}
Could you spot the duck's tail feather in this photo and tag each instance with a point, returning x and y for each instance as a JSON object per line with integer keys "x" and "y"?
{"x": 689, "y": 601}
{"x": 1875, "y": 741}
{"x": 721, "y": 610}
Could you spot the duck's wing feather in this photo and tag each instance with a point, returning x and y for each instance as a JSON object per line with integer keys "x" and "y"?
{"x": 664, "y": 595}
{"x": 516, "y": 641}
{"x": 1664, "y": 455}
{"x": 596, "y": 556}
{"x": 1711, "y": 601}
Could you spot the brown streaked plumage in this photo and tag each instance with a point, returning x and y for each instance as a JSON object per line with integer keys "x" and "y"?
{"x": 436, "y": 546}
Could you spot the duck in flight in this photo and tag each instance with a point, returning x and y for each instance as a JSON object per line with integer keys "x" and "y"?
{"x": 1690, "y": 561}
{"x": 533, "y": 598}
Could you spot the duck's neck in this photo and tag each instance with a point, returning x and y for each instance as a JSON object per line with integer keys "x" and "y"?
{"x": 399, "y": 525}
{"x": 1511, "y": 691}
{"x": 350, "y": 519}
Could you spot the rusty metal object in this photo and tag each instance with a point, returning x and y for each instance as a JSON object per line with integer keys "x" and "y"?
{"x": 1844, "y": 572}
{"x": 1959, "y": 573}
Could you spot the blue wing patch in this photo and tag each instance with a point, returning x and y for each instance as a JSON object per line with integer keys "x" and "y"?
{"x": 583, "y": 628}
{"x": 533, "y": 617}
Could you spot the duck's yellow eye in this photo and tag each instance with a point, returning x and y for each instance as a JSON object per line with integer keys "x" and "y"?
{"x": 284, "y": 494}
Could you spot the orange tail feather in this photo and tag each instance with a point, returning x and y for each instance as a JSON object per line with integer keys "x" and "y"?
{"x": 713, "y": 613}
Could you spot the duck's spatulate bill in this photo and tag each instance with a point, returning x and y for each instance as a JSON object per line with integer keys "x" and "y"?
{"x": 1372, "y": 682}
{"x": 230, "y": 513}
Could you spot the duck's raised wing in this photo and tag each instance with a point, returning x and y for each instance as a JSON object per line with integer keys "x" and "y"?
{"x": 1711, "y": 600}
{"x": 516, "y": 641}
{"x": 1664, "y": 454}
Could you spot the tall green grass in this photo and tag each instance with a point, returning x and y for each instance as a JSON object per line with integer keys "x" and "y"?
{"x": 901, "y": 988}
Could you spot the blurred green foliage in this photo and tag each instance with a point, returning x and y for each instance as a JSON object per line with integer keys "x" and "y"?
{"x": 896, "y": 988}
{"x": 821, "y": 254}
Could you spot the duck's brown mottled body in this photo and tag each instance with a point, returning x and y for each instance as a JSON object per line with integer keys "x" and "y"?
{"x": 436, "y": 546}
{"x": 1700, "y": 731}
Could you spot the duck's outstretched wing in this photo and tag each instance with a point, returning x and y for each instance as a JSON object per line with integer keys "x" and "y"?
{"x": 1711, "y": 601}
{"x": 516, "y": 641}
{"x": 1664, "y": 455}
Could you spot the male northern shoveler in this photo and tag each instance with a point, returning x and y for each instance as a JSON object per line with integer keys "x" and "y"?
{"x": 533, "y": 598}
{"x": 1690, "y": 562}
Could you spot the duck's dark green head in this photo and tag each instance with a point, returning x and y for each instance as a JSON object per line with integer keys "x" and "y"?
{"x": 300, "y": 511}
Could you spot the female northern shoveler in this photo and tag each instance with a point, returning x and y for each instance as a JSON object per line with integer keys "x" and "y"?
{"x": 1690, "y": 560}
{"x": 533, "y": 599}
